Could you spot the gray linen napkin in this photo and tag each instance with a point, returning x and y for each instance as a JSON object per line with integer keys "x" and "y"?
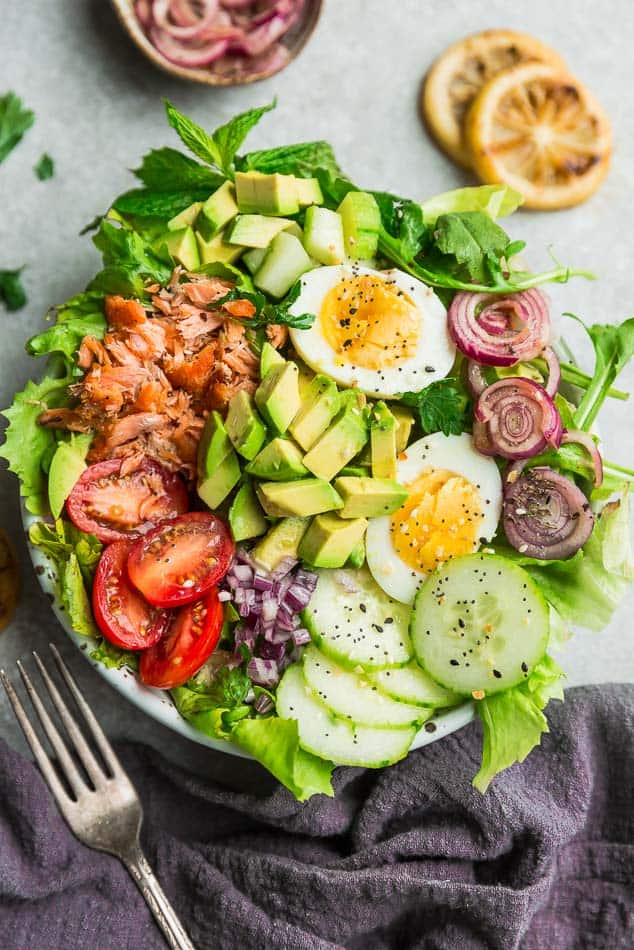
{"x": 411, "y": 857}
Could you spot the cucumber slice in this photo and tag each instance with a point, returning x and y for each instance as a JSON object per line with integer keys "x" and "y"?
{"x": 479, "y": 624}
{"x": 410, "y": 684}
{"x": 333, "y": 739}
{"x": 354, "y": 697}
{"x": 355, "y": 623}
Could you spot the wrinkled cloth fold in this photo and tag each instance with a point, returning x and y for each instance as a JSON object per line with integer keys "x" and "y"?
{"x": 408, "y": 857}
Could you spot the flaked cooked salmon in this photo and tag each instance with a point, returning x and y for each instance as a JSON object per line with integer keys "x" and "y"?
{"x": 150, "y": 383}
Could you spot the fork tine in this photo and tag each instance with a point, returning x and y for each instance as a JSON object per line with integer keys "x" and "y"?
{"x": 98, "y": 734}
{"x": 67, "y": 765}
{"x": 37, "y": 748}
{"x": 82, "y": 748}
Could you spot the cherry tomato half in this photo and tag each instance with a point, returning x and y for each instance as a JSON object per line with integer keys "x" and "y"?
{"x": 191, "y": 638}
{"x": 124, "y": 617}
{"x": 181, "y": 559}
{"x": 116, "y": 507}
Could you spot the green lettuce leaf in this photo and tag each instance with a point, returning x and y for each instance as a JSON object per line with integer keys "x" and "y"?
{"x": 513, "y": 721}
{"x": 75, "y": 556}
{"x": 113, "y": 658}
{"x": 129, "y": 262}
{"x": 27, "y": 444}
{"x": 497, "y": 201}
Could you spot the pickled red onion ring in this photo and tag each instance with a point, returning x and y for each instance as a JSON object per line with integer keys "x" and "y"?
{"x": 500, "y": 331}
{"x": 515, "y": 418}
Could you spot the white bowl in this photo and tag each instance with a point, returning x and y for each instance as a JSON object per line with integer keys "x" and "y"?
{"x": 157, "y": 703}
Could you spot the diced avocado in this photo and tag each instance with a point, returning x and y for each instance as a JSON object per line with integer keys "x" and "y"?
{"x": 217, "y": 211}
{"x": 306, "y": 376}
{"x": 369, "y": 497}
{"x": 285, "y": 262}
{"x": 383, "y": 427}
{"x": 277, "y": 396}
{"x": 354, "y": 471}
{"x": 253, "y": 258}
{"x": 357, "y": 555}
{"x": 329, "y": 541}
{"x": 361, "y": 224}
{"x": 214, "y": 446}
{"x": 217, "y": 250}
{"x": 320, "y": 404}
{"x": 186, "y": 218}
{"x": 214, "y": 490}
{"x": 281, "y": 542}
{"x": 67, "y": 464}
{"x": 255, "y": 230}
{"x": 244, "y": 426}
{"x": 246, "y": 518}
{"x": 258, "y": 193}
{"x": 269, "y": 357}
{"x": 345, "y": 437}
{"x": 308, "y": 192}
{"x": 182, "y": 246}
{"x": 404, "y": 423}
{"x": 304, "y": 497}
{"x": 278, "y": 461}
{"x": 323, "y": 235}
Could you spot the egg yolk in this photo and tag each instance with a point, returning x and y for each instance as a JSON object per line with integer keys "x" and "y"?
{"x": 440, "y": 519}
{"x": 370, "y": 322}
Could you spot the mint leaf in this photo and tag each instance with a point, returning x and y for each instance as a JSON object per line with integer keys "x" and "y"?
{"x": 302, "y": 159}
{"x": 45, "y": 168}
{"x": 442, "y": 407}
{"x": 160, "y": 204}
{"x": 613, "y": 348}
{"x": 166, "y": 169}
{"x": 15, "y": 120}
{"x": 193, "y": 135}
{"x": 11, "y": 290}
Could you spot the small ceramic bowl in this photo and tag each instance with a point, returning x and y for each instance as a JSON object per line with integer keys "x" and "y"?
{"x": 295, "y": 40}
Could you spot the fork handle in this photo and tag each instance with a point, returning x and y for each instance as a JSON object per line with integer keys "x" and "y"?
{"x": 155, "y": 896}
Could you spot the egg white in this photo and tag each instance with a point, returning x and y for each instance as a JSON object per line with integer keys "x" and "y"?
{"x": 435, "y": 350}
{"x": 454, "y": 453}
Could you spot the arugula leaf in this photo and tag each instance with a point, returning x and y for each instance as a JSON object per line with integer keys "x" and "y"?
{"x": 11, "y": 290}
{"x": 167, "y": 169}
{"x": 27, "y": 443}
{"x": 497, "y": 201}
{"x": 402, "y": 220}
{"x": 474, "y": 240}
{"x": 442, "y": 406}
{"x": 129, "y": 262}
{"x": 614, "y": 348}
{"x": 268, "y": 313}
{"x": 113, "y": 658}
{"x": 45, "y": 168}
{"x": 301, "y": 159}
{"x": 15, "y": 120}
{"x": 75, "y": 556}
{"x": 513, "y": 721}
{"x": 218, "y": 149}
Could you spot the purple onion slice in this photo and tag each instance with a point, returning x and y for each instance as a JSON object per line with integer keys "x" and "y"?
{"x": 515, "y": 418}
{"x": 545, "y": 515}
{"x": 500, "y": 331}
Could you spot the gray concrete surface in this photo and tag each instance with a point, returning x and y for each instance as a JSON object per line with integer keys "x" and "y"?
{"x": 98, "y": 106}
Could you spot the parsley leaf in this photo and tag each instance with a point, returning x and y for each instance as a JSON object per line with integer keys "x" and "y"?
{"x": 301, "y": 159}
{"x": 266, "y": 313}
{"x": 442, "y": 406}
{"x": 15, "y": 120}
{"x": 45, "y": 168}
{"x": 11, "y": 290}
{"x": 218, "y": 149}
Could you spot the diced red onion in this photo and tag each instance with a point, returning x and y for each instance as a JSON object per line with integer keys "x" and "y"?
{"x": 585, "y": 439}
{"x": 515, "y": 418}
{"x": 243, "y": 572}
{"x": 263, "y": 672}
{"x": 243, "y": 635}
{"x": 270, "y": 607}
{"x": 285, "y": 566}
{"x": 263, "y": 704}
{"x": 545, "y": 515}
{"x": 260, "y": 582}
{"x": 272, "y": 651}
{"x": 497, "y": 330}
{"x": 301, "y": 637}
{"x": 554, "y": 371}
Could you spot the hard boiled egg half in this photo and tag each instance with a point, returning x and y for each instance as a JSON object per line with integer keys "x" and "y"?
{"x": 383, "y": 332}
{"x": 453, "y": 508}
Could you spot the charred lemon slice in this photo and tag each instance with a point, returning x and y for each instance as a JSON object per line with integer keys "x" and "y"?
{"x": 539, "y": 130}
{"x": 457, "y": 76}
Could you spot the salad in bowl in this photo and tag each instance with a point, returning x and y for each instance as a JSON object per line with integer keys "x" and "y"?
{"x": 307, "y": 458}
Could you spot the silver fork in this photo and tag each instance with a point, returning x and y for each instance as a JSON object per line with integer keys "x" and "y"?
{"x": 104, "y": 813}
